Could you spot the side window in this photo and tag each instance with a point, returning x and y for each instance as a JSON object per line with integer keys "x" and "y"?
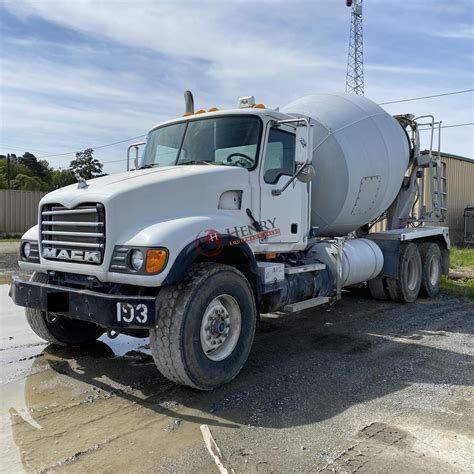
{"x": 279, "y": 156}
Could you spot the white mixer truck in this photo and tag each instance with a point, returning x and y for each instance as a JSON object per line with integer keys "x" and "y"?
{"x": 231, "y": 214}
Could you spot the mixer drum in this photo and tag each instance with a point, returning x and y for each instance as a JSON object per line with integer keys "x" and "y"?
{"x": 360, "y": 154}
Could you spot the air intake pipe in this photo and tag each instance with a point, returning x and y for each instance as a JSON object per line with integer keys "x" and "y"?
{"x": 188, "y": 103}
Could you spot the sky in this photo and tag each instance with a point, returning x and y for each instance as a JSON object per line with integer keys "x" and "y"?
{"x": 84, "y": 73}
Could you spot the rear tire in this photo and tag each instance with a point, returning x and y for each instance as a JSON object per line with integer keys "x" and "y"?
{"x": 60, "y": 330}
{"x": 377, "y": 288}
{"x": 431, "y": 268}
{"x": 405, "y": 289}
{"x": 205, "y": 327}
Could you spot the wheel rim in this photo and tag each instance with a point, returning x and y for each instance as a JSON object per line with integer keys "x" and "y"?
{"x": 434, "y": 271}
{"x": 220, "y": 327}
{"x": 413, "y": 276}
{"x": 52, "y": 318}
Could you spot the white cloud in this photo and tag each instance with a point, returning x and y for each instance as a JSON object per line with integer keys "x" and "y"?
{"x": 462, "y": 32}
{"x": 129, "y": 63}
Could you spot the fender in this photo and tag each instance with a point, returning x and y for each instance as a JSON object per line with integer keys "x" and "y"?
{"x": 190, "y": 253}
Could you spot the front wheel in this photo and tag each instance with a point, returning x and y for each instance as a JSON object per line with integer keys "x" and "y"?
{"x": 57, "y": 329}
{"x": 205, "y": 327}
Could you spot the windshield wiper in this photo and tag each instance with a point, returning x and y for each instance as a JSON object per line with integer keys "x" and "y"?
{"x": 148, "y": 165}
{"x": 198, "y": 162}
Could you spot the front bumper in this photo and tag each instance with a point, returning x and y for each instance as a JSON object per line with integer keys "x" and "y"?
{"x": 108, "y": 311}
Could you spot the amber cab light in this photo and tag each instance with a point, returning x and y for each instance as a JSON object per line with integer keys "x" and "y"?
{"x": 156, "y": 260}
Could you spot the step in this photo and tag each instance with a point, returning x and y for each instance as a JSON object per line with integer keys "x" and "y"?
{"x": 311, "y": 267}
{"x": 301, "y": 305}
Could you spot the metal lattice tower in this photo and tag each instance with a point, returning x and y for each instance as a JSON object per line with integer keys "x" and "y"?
{"x": 355, "y": 59}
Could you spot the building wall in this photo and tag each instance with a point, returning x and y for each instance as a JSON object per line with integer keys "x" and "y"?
{"x": 460, "y": 188}
{"x": 460, "y": 184}
{"x": 18, "y": 210}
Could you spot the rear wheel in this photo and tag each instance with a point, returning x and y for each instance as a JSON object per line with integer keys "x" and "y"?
{"x": 205, "y": 327}
{"x": 406, "y": 287}
{"x": 57, "y": 329}
{"x": 431, "y": 268}
{"x": 377, "y": 288}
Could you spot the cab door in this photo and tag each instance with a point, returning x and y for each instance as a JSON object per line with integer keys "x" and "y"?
{"x": 287, "y": 211}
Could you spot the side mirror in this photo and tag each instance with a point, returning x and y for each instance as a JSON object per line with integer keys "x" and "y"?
{"x": 306, "y": 174}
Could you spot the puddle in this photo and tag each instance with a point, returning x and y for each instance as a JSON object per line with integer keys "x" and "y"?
{"x": 101, "y": 407}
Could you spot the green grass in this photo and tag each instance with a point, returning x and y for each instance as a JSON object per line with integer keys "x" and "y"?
{"x": 459, "y": 286}
{"x": 461, "y": 257}
{"x": 11, "y": 238}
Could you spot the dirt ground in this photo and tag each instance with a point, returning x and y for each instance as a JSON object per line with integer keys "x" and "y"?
{"x": 362, "y": 386}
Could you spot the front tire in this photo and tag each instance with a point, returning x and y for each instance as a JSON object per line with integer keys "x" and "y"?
{"x": 205, "y": 327}
{"x": 60, "y": 330}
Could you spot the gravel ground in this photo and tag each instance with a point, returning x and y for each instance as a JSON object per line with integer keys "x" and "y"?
{"x": 359, "y": 386}
{"x": 8, "y": 259}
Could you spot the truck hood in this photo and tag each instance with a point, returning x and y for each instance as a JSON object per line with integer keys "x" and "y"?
{"x": 135, "y": 199}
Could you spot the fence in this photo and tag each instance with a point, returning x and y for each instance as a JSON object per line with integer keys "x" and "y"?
{"x": 18, "y": 210}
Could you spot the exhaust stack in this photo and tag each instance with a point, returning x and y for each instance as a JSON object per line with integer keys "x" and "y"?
{"x": 188, "y": 103}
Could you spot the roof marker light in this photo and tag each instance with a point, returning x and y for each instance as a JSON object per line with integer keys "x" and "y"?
{"x": 246, "y": 102}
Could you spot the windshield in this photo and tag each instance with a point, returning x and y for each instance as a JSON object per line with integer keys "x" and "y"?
{"x": 231, "y": 141}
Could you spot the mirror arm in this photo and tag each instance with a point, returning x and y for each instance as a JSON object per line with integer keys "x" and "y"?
{"x": 305, "y": 123}
{"x": 277, "y": 192}
{"x": 136, "y": 146}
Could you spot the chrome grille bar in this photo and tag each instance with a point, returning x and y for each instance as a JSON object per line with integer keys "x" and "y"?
{"x": 78, "y": 234}
{"x": 72, "y": 244}
{"x": 69, "y": 211}
{"x": 73, "y": 223}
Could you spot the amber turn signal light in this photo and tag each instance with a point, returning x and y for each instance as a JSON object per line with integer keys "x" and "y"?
{"x": 156, "y": 260}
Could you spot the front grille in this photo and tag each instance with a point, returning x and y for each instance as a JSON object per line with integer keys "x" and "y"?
{"x": 76, "y": 235}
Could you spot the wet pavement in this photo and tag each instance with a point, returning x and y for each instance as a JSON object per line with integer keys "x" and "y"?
{"x": 362, "y": 385}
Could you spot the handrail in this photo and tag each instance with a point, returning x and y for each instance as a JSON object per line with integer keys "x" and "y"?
{"x": 137, "y": 147}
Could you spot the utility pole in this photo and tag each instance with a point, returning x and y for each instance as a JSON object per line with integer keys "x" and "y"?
{"x": 8, "y": 170}
{"x": 355, "y": 59}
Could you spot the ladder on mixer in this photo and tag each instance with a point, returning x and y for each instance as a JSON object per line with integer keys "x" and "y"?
{"x": 437, "y": 177}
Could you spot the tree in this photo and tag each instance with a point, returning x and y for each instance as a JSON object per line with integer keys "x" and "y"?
{"x": 86, "y": 165}
{"x": 11, "y": 170}
{"x": 36, "y": 167}
{"x": 62, "y": 178}
{"x": 23, "y": 182}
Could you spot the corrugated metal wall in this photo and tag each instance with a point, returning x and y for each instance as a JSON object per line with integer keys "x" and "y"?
{"x": 460, "y": 184}
{"x": 18, "y": 210}
{"x": 460, "y": 176}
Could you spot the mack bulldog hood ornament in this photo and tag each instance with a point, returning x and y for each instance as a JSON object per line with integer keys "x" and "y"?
{"x": 81, "y": 182}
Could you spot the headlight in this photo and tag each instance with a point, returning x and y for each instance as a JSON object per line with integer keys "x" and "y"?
{"x": 26, "y": 250}
{"x": 137, "y": 259}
